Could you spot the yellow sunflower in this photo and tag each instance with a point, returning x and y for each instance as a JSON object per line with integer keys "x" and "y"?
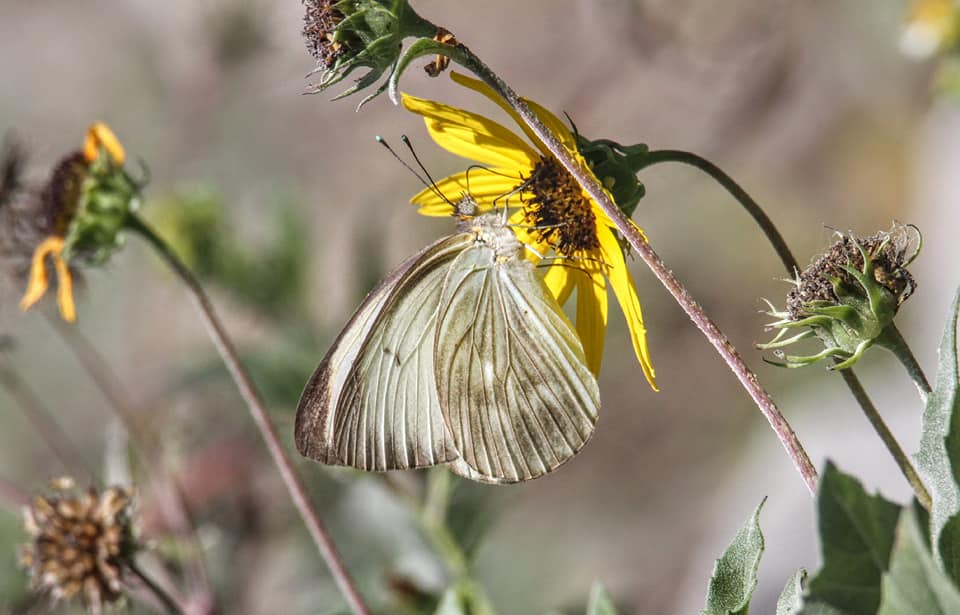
{"x": 552, "y": 212}
{"x": 65, "y": 190}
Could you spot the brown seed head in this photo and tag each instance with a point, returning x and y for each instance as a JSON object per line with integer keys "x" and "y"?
{"x": 557, "y": 206}
{"x": 79, "y": 544}
{"x": 320, "y": 21}
{"x": 887, "y": 250}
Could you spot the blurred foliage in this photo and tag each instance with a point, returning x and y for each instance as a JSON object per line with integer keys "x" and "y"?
{"x": 267, "y": 274}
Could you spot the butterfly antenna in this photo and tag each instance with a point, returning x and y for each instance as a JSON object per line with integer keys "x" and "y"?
{"x": 432, "y": 185}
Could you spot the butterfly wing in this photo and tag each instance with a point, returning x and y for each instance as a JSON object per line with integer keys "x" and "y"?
{"x": 372, "y": 402}
{"x": 511, "y": 376}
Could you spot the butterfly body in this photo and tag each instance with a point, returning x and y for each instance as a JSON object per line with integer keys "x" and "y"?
{"x": 459, "y": 356}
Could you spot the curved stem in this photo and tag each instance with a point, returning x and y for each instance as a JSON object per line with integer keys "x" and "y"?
{"x": 250, "y": 394}
{"x": 736, "y": 191}
{"x": 901, "y": 458}
{"x": 790, "y": 264}
{"x": 666, "y": 277}
{"x": 893, "y": 341}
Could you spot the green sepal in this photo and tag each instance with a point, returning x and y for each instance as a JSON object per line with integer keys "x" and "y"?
{"x": 108, "y": 197}
{"x": 616, "y": 166}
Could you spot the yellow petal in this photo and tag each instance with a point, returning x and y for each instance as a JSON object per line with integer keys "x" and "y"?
{"x": 559, "y": 281}
{"x": 472, "y": 136}
{"x": 39, "y": 281}
{"x": 552, "y": 122}
{"x": 626, "y": 294}
{"x": 99, "y": 135}
{"x": 592, "y": 313}
{"x": 484, "y": 185}
{"x": 68, "y": 309}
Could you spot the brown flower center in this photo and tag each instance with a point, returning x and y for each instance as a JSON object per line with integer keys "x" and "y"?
{"x": 61, "y": 194}
{"x": 558, "y": 208}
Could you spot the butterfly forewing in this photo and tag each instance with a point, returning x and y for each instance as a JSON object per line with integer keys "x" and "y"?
{"x": 372, "y": 402}
{"x": 511, "y": 376}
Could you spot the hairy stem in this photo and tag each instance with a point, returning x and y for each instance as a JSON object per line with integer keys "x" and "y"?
{"x": 901, "y": 458}
{"x": 666, "y": 277}
{"x": 252, "y": 397}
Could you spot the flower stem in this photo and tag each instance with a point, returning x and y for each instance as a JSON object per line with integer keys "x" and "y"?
{"x": 631, "y": 233}
{"x": 901, "y": 458}
{"x": 170, "y": 605}
{"x": 790, "y": 264}
{"x": 258, "y": 411}
{"x": 892, "y": 340}
{"x": 736, "y": 191}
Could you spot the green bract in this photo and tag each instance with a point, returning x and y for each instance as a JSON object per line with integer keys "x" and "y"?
{"x": 847, "y": 298}
{"x": 108, "y": 196}
{"x": 346, "y": 35}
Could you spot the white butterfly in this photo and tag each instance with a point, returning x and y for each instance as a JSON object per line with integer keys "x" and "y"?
{"x": 459, "y": 356}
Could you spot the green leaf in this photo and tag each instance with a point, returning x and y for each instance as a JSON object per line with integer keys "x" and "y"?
{"x": 465, "y": 598}
{"x": 600, "y": 602}
{"x": 914, "y": 584}
{"x": 938, "y": 461}
{"x": 856, "y": 536}
{"x": 790, "y": 599}
{"x": 735, "y": 573}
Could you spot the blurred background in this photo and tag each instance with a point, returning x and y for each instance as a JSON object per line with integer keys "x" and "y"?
{"x": 290, "y": 211}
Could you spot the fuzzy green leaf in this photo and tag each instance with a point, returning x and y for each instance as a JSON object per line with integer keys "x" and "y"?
{"x": 856, "y": 535}
{"x": 914, "y": 584}
{"x": 600, "y": 602}
{"x": 938, "y": 461}
{"x": 790, "y": 599}
{"x": 735, "y": 573}
{"x": 465, "y": 598}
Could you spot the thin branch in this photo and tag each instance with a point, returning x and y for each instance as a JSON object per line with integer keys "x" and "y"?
{"x": 736, "y": 191}
{"x": 631, "y": 233}
{"x": 168, "y": 602}
{"x": 43, "y": 422}
{"x": 258, "y": 411}
{"x": 169, "y": 491}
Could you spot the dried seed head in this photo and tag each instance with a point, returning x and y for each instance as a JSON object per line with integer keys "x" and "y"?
{"x": 80, "y": 543}
{"x": 848, "y": 297}
{"x": 320, "y": 22}
{"x": 888, "y": 252}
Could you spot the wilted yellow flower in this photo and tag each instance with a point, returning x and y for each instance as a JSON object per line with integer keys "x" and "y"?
{"x": 68, "y": 193}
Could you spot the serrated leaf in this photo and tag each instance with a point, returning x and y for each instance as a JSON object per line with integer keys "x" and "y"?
{"x": 856, "y": 536}
{"x": 938, "y": 460}
{"x": 915, "y": 584}
{"x": 735, "y": 573}
{"x": 600, "y": 602}
{"x": 790, "y": 599}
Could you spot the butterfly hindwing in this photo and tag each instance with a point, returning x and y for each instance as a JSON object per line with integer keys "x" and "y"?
{"x": 511, "y": 375}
